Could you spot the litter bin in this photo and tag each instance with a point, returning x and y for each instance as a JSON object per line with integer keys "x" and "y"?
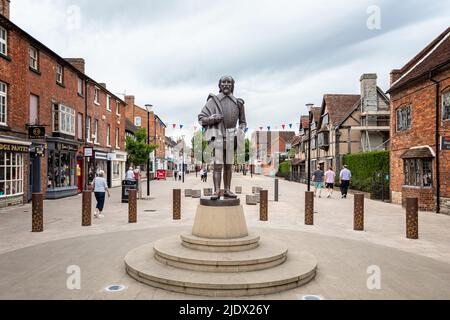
{"x": 127, "y": 185}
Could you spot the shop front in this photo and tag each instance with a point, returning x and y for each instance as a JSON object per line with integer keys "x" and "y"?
{"x": 62, "y": 173}
{"x": 118, "y": 160}
{"x": 14, "y": 161}
{"x": 99, "y": 162}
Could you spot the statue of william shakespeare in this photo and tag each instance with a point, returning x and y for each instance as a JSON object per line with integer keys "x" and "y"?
{"x": 219, "y": 118}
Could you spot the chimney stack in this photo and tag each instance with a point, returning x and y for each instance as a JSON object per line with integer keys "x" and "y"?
{"x": 369, "y": 94}
{"x": 78, "y": 63}
{"x": 4, "y": 8}
{"x": 129, "y": 111}
{"x": 395, "y": 75}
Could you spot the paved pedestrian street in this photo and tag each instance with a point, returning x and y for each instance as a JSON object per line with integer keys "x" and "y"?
{"x": 379, "y": 263}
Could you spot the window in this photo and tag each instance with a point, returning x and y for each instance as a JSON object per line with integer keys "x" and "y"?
{"x": 313, "y": 144}
{"x": 3, "y": 41}
{"x": 11, "y": 174}
{"x": 118, "y": 108}
{"x": 325, "y": 120}
{"x": 108, "y": 136}
{"x": 88, "y": 129}
{"x": 3, "y": 103}
{"x": 117, "y": 138}
{"x": 59, "y": 74}
{"x": 138, "y": 121}
{"x": 80, "y": 127}
{"x": 61, "y": 169}
{"x": 446, "y": 106}
{"x": 34, "y": 58}
{"x": 418, "y": 172}
{"x": 80, "y": 87}
{"x": 95, "y": 135}
{"x": 96, "y": 96}
{"x": 63, "y": 119}
{"x": 404, "y": 119}
{"x": 108, "y": 103}
{"x": 34, "y": 110}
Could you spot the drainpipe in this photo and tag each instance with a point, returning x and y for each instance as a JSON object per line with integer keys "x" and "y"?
{"x": 438, "y": 175}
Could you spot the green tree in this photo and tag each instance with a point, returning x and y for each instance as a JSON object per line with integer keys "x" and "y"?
{"x": 138, "y": 149}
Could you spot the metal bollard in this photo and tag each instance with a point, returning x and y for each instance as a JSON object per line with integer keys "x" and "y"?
{"x": 277, "y": 186}
{"x": 176, "y": 204}
{"x": 86, "y": 216}
{"x": 309, "y": 208}
{"x": 358, "y": 224}
{"x": 132, "y": 206}
{"x": 38, "y": 212}
{"x": 264, "y": 205}
{"x": 412, "y": 218}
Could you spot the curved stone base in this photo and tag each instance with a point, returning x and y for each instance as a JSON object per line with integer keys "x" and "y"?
{"x": 170, "y": 252}
{"x": 220, "y": 245}
{"x": 299, "y": 269}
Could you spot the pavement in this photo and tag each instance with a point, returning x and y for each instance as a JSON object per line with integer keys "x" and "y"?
{"x": 34, "y": 265}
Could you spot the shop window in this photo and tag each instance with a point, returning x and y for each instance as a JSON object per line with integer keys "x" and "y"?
{"x": 116, "y": 170}
{"x": 61, "y": 169}
{"x": 11, "y": 174}
{"x": 63, "y": 119}
{"x": 418, "y": 172}
{"x": 446, "y": 106}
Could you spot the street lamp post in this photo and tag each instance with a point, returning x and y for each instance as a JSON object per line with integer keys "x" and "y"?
{"x": 149, "y": 109}
{"x": 310, "y": 106}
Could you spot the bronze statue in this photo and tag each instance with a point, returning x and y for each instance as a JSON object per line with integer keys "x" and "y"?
{"x": 219, "y": 118}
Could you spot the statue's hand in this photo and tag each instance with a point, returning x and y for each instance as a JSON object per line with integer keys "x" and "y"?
{"x": 216, "y": 118}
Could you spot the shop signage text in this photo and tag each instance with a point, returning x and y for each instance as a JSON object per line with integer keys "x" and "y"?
{"x": 36, "y": 133}
{"x": 14, "y": 148}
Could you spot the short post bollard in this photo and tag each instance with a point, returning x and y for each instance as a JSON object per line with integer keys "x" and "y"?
{"x": 176, "y": 204}
{"x": 358, "y": 224}
{"x": 38, "y": 212}
{"x": 309, "y": 208}
{"x": 264, "y": 205}
{"x": 277, "y": 189}
{"x": 412, "y": 218}
{"x": 86, "y": 216}
{"x": 132, "y": 206}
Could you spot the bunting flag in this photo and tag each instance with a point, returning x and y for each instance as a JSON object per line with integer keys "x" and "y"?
{"x": 246, "y": 130}
{"x": 290, "y": 125}
{"x": 283, "y": 126}
{"x": 261, "y": 128}
{"x": 181, "y": 126}
{"x": 268, "y": 128}
{"x": 174, "y": 125}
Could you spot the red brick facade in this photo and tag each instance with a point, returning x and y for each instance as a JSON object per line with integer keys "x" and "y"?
{"x": 420, "y": 95}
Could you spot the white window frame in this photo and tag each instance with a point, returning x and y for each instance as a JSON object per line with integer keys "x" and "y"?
{"x": 88, "y": 129}
{"x": 18, "y": 167}
{"x": 34, "y": 58}
{"x": 108, "y": 103}
{"x": 117, "y": 138}
{"x": 80, "y": 88}
{"x": 97, "y": 96}
{"x": 3, "y": 103}
{"x": 445, "y": 96}
{"x": 108, "y": 136}
{"x": 59, "y": 74}
{"x": 95, "y": 135}
{"x": 138, "y": 121}
{"x": 402, "y": 118}
{"x": 66, "y": 120}
{"x": 3, "y": 41}
{"x": 117, "y": 108}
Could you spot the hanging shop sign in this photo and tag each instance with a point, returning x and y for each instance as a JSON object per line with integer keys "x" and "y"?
{"x": 88, "y": 152}
{"x": 36, "y": 132}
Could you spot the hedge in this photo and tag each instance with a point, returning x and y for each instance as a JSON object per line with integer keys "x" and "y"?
{"x": 284, "y": 170}
{"x": 363, "y": 167}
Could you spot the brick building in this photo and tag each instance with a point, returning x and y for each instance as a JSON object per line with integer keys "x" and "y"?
{"x": 139, "y": 117}
{"x": 41, "y": 90}
{"x": 420, "y": 110}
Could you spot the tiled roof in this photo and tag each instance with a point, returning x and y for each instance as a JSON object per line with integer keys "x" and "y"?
{"x": 296, "y": 141}
{"x": 435, "y": 55}
{"x": 418, "y": 153}
{"x": 317, "y": 112}
{"x": 339, "y": 105}
{"x": 129, "y": 126}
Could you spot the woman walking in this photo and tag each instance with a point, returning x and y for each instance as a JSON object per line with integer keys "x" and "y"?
{"x": 100, "y": 190}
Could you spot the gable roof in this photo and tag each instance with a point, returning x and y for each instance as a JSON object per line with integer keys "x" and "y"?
{"x": 339, "y": 106}
{"x": 317, "y": 113}
{"x": 435, "y": 56}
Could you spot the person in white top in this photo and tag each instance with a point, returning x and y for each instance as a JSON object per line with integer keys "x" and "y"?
{"x": 100, "y": 190}
{"x": 345, "y": 178}
{"x": 330, "y": 177}
{"x": 130, "y": 175}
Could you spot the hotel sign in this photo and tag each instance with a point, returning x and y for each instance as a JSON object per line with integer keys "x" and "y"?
{"x": 14, "y": 148}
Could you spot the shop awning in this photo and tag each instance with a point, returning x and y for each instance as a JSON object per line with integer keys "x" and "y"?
{"x": 418, "y": 153}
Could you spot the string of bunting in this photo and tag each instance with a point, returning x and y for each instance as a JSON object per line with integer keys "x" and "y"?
{"x": 269, "y": 127}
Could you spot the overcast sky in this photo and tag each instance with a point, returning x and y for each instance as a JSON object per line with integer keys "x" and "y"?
{"x": 283, "y": 54}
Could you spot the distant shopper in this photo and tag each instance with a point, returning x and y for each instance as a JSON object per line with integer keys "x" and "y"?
{"x": 130, "y": 174}
{"x": 330, "y": 177}
{"x": 137, "y": 178}
{"x": 175, "y": 175}
{"x": 100, "y": 190}
{"x": 345, "y": 179}
{"x": 317, "y": 177}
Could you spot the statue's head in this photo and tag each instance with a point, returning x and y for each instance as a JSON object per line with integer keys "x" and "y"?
{"x": 226, "y": 85}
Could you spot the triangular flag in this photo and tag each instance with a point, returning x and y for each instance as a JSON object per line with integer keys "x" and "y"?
{"x": 261, "y": 128}
{"x": 268, "y": 128}
{"x": 181, "y": 126}
{"x": 284, "y": 126}
{"x": 174, "y": 125}
{"x": 290, "y": 125}
{"x": 246, "y": 130}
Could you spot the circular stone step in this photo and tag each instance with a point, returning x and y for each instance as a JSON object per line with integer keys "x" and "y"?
{"x": 170, "y": 252}
{"x": 299, "y": 269}
{"x": 220, "y": 245}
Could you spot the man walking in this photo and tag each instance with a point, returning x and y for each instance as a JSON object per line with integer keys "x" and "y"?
{"x": 345, "y": 178}
{"x": 317, "y": 177}
{"x": 330, "y": 177}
